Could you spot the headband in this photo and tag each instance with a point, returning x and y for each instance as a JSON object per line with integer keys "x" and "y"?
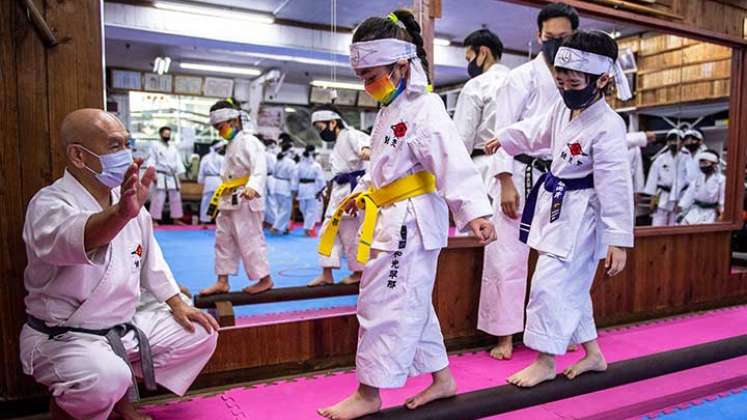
{"x": 596, "y": 64}
{"x": 708, "y": 156}
{"x": 675, "y": 132}
{"x": 382, "y": 52}
{"x": 224, "y": 114}
{"x": 693, "y": 133}
{"x": 218, "y": 145}
{"x": 326, "y": 115}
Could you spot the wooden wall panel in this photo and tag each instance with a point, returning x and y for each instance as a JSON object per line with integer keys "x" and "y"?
{"x": 39, "y": 87}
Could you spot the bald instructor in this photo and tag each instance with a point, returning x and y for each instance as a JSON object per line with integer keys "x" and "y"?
{"x": 90, "y": 249}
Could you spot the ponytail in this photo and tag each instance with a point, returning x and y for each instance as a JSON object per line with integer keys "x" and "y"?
{"x": 400, "y": 24}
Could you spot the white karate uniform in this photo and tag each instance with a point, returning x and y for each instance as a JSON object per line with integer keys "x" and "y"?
{"x": 399, "y": 331}
{"x": 529, "y": 90}
{"x": 710, "y": 190}
{"x": 238, "y": 231}
{"x": 345, "y": 158}
{"x": 590, "y": 220}
{"x": 98, "y": 289}
{"x": 270, "y": 205}
{"x": 308, "y": 203}
{"x": 211, "y": 166}
{"x": 165, "y": 157}
{"x": 688, "y": 170}
{"x": 635, "y": 141}
{"x": 663, "y": 173}
{"x": 474, "y": 115}
{"x": 285, "y": 170}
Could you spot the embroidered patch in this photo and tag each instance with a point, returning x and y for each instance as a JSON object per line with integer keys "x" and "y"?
{"x": 394, "y": 269}
{"x": 574, "y": 154}
{"x": 575, "y": 149}
{"x": 138, "y": 251}
{"x": 399, "y": 129}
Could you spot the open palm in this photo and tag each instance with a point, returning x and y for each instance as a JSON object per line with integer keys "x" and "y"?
{"x": 134, "y": 191}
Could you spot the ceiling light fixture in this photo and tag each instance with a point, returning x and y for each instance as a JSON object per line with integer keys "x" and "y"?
{"x": 161, "y": 65}
{"x": 336, "y": 85}
{"x": 215, "y": 68}
{"x": 215, "y": 11}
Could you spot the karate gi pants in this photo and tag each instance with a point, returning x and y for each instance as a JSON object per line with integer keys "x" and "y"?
{"x": 239, "y": 235}
{"x": 345, "y": 244}
{"x": 663, "y": 217}
{"x": 399, "y": 333}
{"x": 159, "y": 198}
{"x": 87, "y": 379}
{"x": 310, "y": 210}
{"x": 283, "y": 209}
{"x": 270, "y": 209}
{"x": 560, "y": 311}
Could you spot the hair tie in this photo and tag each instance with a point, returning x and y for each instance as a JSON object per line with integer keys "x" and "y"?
{"x": 230, "y": 101}
{"x": 392, "y": 17}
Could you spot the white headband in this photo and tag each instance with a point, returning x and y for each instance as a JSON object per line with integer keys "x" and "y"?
{"x": 708, "y": 156}
{"x": 326, "y": 115}
{"x": 224, "y": 114}
{"x": 675, "y": 132}
{"x": 596, "y": 64}
{"x": 382, "y": 52}
{"x": 218, "y": 145}
{"x": 693, "y": 133}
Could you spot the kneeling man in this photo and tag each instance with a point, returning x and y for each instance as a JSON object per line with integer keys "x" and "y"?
{"x": 90, "y": 249}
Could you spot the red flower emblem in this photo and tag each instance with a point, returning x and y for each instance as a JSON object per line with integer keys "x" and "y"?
{"x": 399, "y": 129}
{"x": 138, "y": 251}
{"x": 575, "y": 149}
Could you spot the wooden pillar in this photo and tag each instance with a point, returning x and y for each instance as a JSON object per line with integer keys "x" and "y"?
{"x": 426, "y": 12}
{"x": 38, "y": 87}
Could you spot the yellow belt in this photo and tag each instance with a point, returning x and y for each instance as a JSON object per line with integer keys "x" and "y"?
{"x": 402, "y": 189}
{"x": 226, "y": 187}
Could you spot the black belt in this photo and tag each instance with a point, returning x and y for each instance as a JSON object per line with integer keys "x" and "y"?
{"x": 477, "y": 152}
{"x": 307, "y": 180}
{"x": 664, "y": 188}
{"x": 704, "y": 205}
{"x": 542, "y": 165}
{"x": 114, "y": 337}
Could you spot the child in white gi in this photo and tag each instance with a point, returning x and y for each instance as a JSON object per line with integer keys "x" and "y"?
{"x": 285, "y": 170}
{"x": 238, "y": 231}
{"x": 581, "y": 212}
{"x": 211, "y": 166}
{"x": 352, "y": 150}
{"x": 417, "y": 168}
{"x": 703, "y": 201}
{"x": 309, "y": 182}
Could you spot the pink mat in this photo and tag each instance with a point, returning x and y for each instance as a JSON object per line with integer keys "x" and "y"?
{"x": 300, "y": 397}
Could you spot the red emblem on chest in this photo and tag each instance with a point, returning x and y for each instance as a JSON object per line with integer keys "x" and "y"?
{"x": 138, "y": 251}
{"x": 399, "y": 129}
{"x": 575, "y": 149}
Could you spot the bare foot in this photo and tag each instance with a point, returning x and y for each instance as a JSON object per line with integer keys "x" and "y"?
{"x": 179, "y": 222}
{"x": 354, "y": 278}
{"x": 443, "y": 386}
{"x": 321, "y": 280}
{"x": 593, "y": 362}
{"x": 504, "y": 349}
{"x": 218, "y": 287}
{"x": 273, "y": 231}
{"x": 572, "y": 348}
{"x": 263, "y": 285}
{"x": 356, "y": 405}
{"x": 543, "y": 369}
{"x": 125, "y": 410}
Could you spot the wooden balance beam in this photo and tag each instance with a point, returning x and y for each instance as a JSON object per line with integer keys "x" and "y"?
{"x": 223, "y": 303}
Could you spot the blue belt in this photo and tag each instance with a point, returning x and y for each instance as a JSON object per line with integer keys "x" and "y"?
{"x": 556, "y": 186}
{"x": 348, "y": 178}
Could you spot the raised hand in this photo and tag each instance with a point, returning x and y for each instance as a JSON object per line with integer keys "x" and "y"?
{"x": 134, "y": 190}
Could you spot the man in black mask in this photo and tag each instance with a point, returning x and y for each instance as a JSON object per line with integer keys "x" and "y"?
{"x": 475, "y": 110}
{"x": 687, "y": 163}
{"x": 169, "y": 167}
{"x": 529, "y": 90}
{"x": 664, "y": 176}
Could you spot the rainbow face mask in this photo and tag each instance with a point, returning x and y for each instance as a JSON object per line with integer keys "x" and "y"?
{"x": 383, "y": 90}
{"x": 228, "y": 132}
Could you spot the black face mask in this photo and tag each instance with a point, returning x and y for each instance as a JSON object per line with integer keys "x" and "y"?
{"x": 579, "y": 99}
{"x": 328, "y": 135}
{"x": 550, "y": 48}
{"x": 473, "y": 69}
{"x": 707, "y": 169}
{"x": 692, "y": 147}
{"x": 672, "y": 147}
{"x": 166, "y": 139}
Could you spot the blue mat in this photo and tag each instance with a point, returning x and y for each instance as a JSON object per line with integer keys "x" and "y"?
{"x": 731, "y": 407}
{"x": 293, "y": 260}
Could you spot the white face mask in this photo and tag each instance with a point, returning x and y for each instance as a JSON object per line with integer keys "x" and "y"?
{"x": 113, "y": 166}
